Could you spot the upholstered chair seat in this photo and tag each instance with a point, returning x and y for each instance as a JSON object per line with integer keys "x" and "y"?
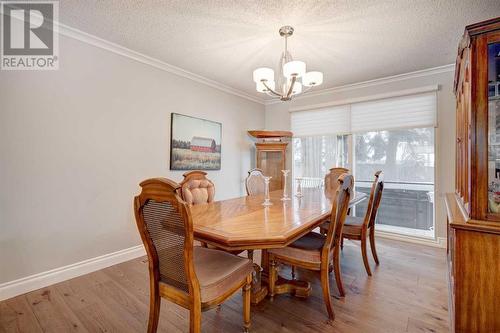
{"x": 307, "y": 248}
{"x": 353, "y": 225}
{"x": 219, "y": 272}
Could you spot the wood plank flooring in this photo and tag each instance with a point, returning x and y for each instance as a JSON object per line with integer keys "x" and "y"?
{"x": 407, "y": 293}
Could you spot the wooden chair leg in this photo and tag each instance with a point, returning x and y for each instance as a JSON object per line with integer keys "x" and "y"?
{"x": 246, "y": 303}
{"x": 272, "y": 276}
{"x": 250, "y": 254}
{"x": 195, "y": 319}
{"x": 365, "y": 257}
{"x": 372, "y": 245}
{"x": 154, "y": 308}
{"x": 325, "y": 285}
{"x": 338, "y": 274}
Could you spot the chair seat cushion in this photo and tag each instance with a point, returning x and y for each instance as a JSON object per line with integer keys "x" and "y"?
{"x": 219, "y": 271}
{"x": 353, "y": 225}
{"x": 307, "y": 248}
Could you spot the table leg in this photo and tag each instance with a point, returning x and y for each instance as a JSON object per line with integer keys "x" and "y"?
{"x": 295, "y": 287}
{"x": 284, "y": 285}
{"x": 259, "y": 291}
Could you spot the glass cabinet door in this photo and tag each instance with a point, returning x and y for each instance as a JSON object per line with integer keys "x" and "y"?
{"x": 494, "y": 127}
{"x": 271, "y": 163}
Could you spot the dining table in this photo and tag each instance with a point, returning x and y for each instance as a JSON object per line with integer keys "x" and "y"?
{"x": 244, "y": 223}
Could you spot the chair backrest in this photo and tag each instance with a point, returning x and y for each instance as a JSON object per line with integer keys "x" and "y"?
{"x": 166, "y": 228}
{"x": 375, "y": 198}
{"x": 340, "y": 205}
{"x": 331, "y": 177}
{"x": 196, "y": 188}
{"x": 254, "y": 182}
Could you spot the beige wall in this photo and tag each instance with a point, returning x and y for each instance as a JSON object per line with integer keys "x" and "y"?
{"x": 75, "y": 143}
{"x": 278, "y": 118}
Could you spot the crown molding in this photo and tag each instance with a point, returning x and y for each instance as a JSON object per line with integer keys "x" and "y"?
{"x": 104, "y": 44}
{"x": 375, "y": 82}
{"x": 93, "y": 40}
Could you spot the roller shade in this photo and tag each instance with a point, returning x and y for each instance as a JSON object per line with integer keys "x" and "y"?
{"x": 332, "y": 120}
{"x": 392, "y": 113}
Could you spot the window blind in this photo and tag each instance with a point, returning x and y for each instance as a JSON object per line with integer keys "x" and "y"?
{"x": 392, "y": 113}
{"x": 332, "y": 120}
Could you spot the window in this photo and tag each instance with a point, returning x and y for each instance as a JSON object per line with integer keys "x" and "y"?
{"x": 407, "y": 158}
{"x": 313, "y": 156}
{"x": 395, "y": 135}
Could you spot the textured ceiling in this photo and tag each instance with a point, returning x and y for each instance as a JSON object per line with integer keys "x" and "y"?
{"x": 350, "y": 41}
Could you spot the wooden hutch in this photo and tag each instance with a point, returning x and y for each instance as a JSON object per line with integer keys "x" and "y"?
{"x": 271, "y": 154}
{"x": 474, "y": 209}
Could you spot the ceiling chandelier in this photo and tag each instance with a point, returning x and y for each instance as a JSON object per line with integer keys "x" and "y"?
{"x": 292, "y": 76}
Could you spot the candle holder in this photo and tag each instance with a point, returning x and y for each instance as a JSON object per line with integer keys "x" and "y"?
{"x": 285, "y": 187}
{"x": 298, "y": 193}
{"x": 267, "y": 199}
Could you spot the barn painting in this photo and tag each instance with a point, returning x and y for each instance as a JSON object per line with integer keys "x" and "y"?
{"x": 195, "y": 144}
{"x": 203, "y": 144}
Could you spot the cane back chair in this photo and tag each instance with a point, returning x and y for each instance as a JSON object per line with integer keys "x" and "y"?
{"x": 254, "y": 183}
{"x": 195, "y": 278}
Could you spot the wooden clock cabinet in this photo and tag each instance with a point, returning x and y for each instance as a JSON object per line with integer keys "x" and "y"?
{"x": 271, "y": 155}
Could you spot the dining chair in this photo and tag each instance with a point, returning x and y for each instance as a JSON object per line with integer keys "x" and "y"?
{"x": 331, "y": 178}
{"x": 330, "y": 186}
{"x": 313, "y": 251}
{"x": 254, "y": 183}
{"x": 196, "y": 188}
{"x": 193, "y": 277}
{"x": 360, "y": 228}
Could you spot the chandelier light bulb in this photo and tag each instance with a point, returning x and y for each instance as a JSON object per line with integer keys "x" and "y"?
{"x": 312, "y": 79}
{"x": 263, "y": 74}
{"x": 294, "y": 68}
{"x": 297, "y": 88}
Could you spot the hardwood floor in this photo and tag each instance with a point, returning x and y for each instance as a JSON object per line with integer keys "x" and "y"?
{"x": 407, "y": 293}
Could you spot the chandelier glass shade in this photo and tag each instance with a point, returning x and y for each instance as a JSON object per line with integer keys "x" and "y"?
{"x": 292, "y": 76}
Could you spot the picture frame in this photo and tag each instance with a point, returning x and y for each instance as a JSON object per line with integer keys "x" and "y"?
{"x": 195, "y": 143}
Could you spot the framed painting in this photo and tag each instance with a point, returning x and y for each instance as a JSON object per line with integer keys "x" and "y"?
{"x": 195, "y": 143}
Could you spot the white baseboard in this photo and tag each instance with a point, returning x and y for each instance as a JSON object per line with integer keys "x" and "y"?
{"x": 439, "y": 242}
{"x": 44, "y": 279}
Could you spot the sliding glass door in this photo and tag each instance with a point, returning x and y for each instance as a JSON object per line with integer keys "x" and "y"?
{"x": 395, "y": 135}
{"x": 406, "y": 156}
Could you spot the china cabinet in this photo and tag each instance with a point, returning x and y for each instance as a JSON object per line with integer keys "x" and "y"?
{"x": 474, "y": 209}
{"x": 271, "y": 155}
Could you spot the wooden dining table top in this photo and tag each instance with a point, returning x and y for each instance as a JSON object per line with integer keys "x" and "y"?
{"x": 244, "y": 223}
